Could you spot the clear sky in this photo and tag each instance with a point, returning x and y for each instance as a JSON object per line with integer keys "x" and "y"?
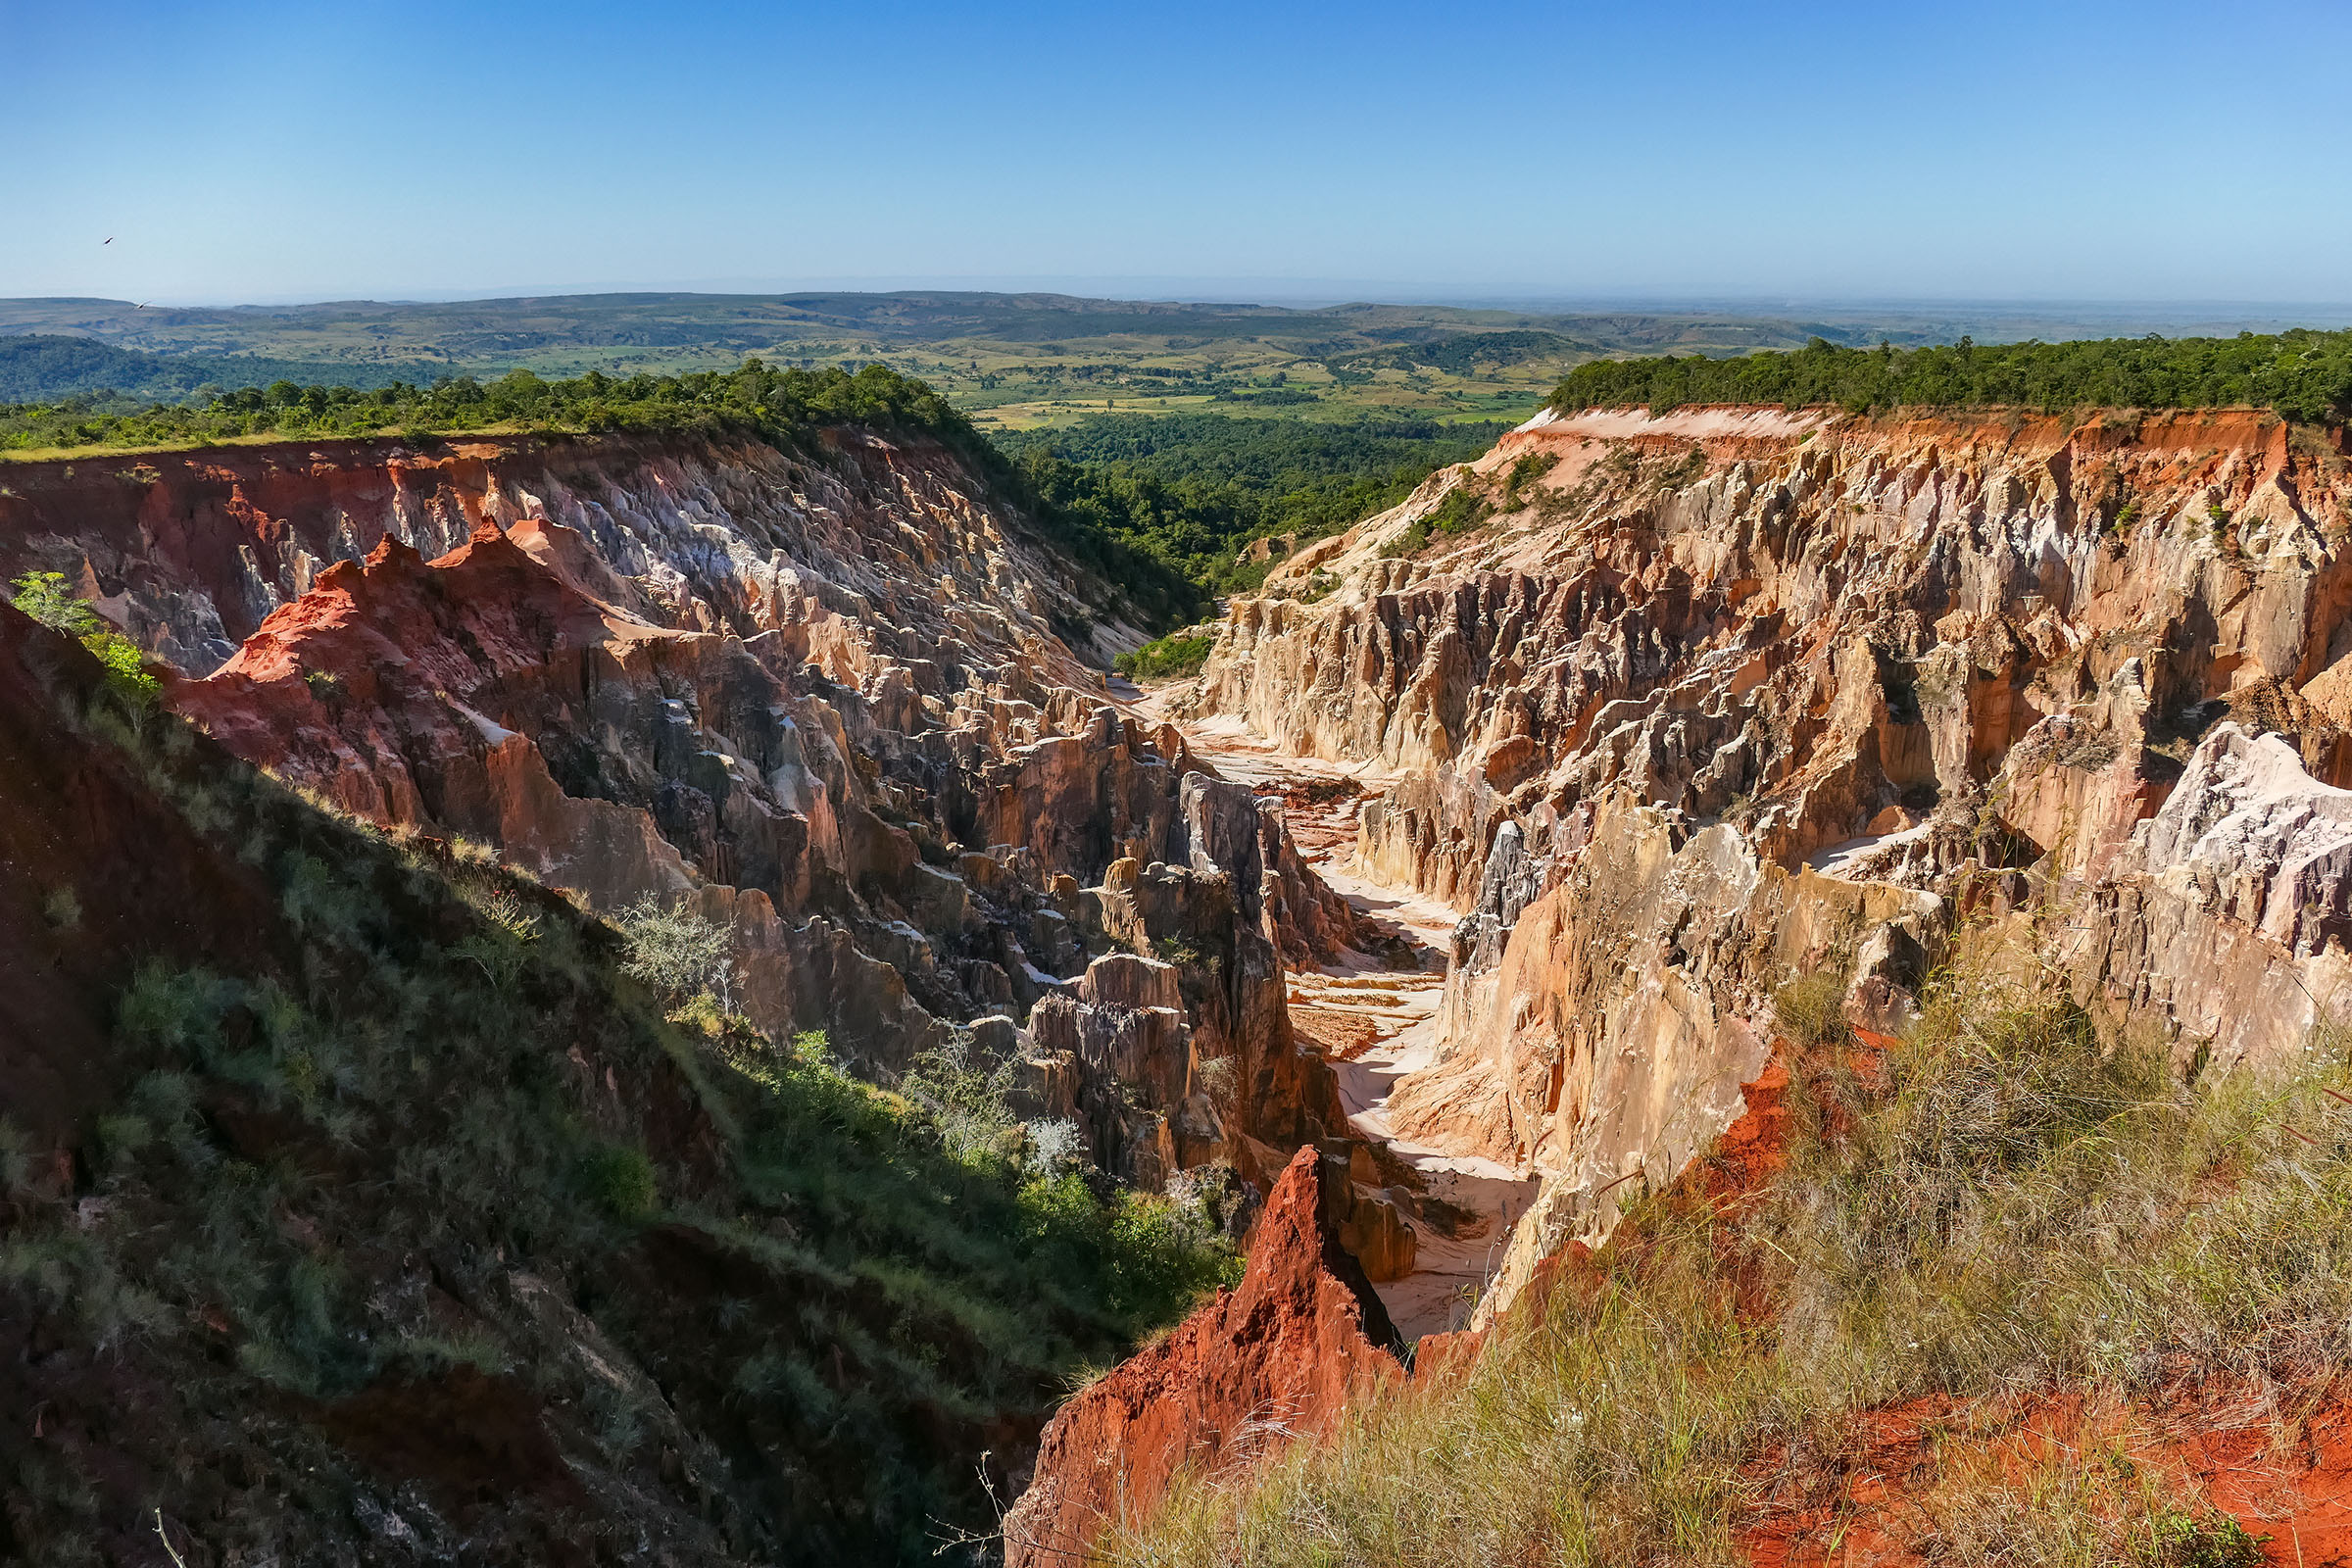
{"x": 268, "y": 151}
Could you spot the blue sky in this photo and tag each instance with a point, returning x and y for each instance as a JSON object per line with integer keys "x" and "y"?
{"x": 271, "y": 151}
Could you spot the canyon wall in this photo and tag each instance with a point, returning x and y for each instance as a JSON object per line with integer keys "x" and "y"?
{"x": 1280, "y": 1355}
{"x": 828, "y": 698}
{"x": 1706, "y": 704}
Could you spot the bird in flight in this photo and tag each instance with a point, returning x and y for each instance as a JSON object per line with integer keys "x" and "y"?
{"x": 110, "y": 239}
{"x": 142, "y": 305}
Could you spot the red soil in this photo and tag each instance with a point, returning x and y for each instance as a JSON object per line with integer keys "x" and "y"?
{"x": 1280, "y": 1355}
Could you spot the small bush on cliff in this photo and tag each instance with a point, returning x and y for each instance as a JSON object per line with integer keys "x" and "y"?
{"x": 1527, "y": 469}
{"x": 965, "y": 1095}
{"x": 46, "y": 597}
{"x": 679, "y": 954}
{"x": 2008, "y": 1218}
{"x": 1170, "y": 657}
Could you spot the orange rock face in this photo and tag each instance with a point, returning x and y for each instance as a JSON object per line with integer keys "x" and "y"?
{"x": 1279, "y": 1353}
{"x": 1729, "y": 697}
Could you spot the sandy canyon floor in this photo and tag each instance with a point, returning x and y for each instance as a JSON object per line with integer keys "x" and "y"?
{"x": 1374, "y": 1016}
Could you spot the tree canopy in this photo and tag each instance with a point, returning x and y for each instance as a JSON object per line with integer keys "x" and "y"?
{"x": 1191, "y": 490}
{"x": 2304, "y": 375}
{"x": 755, "y": 399}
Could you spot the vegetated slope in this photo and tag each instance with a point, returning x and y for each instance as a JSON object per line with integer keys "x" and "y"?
{"x": 2000, "y": 1293}
{"x": 36, "y": 368}
{"x": 1737, "y": 722}
{"x": 1192, "y": 490}
{"x": 355, "y": 1203}
{"x": 2304, "y": 375}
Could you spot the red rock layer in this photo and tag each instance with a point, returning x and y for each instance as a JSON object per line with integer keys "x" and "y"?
{"x": 1278, "y": 1355}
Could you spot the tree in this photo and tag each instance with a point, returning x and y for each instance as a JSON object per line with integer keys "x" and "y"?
{"x": 678, "y": 952}
{"x": 46, "y": 598}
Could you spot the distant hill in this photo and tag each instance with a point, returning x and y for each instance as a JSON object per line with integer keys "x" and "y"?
{"x": 1012, "y": 360}
{"x": 40, "y": 368}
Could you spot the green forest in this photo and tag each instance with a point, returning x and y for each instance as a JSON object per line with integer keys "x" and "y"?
{"x": 2305, "y": 375}
{"x": 39, "y": 367}
{"x": 1191, "y": 490}
{"x": 780, "y": 405}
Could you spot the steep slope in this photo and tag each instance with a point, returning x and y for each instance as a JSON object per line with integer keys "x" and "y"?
{"x": 188, "y": 552}
{"x": 354, "y": 1206}
{"x": 1283, "y": 1353}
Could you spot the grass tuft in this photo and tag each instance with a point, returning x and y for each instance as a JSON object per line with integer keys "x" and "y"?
{"x": 2007, "y": 1208}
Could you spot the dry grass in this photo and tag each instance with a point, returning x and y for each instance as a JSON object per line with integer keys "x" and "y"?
{"x": 2009, "y": 1209}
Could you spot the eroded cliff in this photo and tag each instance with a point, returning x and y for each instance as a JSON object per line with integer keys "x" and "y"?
{"x": 1686, "y": 708}
{"x": 826, "y": 697}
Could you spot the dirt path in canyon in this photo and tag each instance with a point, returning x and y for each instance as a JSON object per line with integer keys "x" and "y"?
{"x": 1375, "y": 1020}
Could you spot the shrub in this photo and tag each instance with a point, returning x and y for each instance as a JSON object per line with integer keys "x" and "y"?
{"x": 1527, "y": 469}
{"x": 1463, "y": 510}
{"x": 47, "y": 599}
{"x": 1177, "y": 654}
{"x": 679, "y": 954}
{"x": 965, "y": 1098}
{"x": 623, "y": 1182}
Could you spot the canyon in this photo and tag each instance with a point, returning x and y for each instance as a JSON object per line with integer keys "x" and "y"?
{"x": 1716, "y": 701}
{"x": 1504, "y": 843}
{"x": 1715, "y": 720}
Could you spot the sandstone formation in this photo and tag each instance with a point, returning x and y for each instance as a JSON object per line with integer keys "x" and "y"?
{"x": 1278, "y": 1355}
{"x": 824, "y": 698}
{"x": 1715, "y": 701}
{"x": 189, "y": 553}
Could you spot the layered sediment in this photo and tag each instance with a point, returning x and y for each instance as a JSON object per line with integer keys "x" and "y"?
{"x": 828, "y": 699}
{"x": 1710, "y": 703}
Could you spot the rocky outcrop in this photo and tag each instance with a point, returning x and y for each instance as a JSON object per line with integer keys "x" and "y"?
{"x": 2227, "y": 913}
{"x": 1229, "y": 828}
{"x": 823, "y": 698}
{"x": 1721, "y": 700}
{"x": 1277, "y": 1355}
{"x": 906, "y": 557}
{"x": 1178, "y": 1050}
